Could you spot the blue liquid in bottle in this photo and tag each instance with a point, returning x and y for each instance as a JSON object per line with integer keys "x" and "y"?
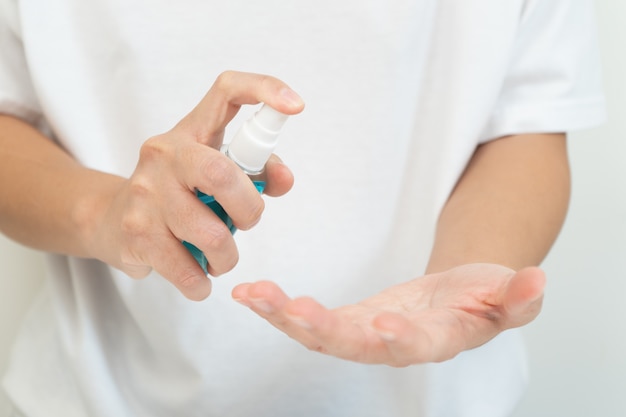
{"x": 210, "y": 202}
{"x": 250, "y": 149}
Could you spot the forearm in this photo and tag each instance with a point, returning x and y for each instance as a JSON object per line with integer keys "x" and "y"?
{"x": 46, "y": 197}
{"x": 509, "y": 205}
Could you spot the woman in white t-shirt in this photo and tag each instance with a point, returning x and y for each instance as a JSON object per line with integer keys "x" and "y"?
{"x": 432, "y": 179}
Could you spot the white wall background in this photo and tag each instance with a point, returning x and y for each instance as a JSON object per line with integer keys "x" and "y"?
{"x": 578, "y": 345}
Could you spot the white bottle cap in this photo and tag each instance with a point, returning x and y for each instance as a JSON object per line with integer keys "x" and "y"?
{"x": 255, "y": 141}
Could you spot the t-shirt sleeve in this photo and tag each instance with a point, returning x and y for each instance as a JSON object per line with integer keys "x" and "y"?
{"x": 554, "y": 81}
{"x": 17, "y": 95}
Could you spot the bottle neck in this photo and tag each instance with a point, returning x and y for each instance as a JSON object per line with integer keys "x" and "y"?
{"x": 244, "y": 169}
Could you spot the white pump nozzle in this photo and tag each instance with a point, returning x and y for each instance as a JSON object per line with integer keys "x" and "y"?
{"x": 255, "y": 141}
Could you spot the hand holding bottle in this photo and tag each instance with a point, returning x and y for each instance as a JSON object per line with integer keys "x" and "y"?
{"x": 148, "y": 215}
{"x": 250, "y": 149}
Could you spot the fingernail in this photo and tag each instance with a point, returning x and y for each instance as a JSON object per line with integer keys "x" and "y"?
{"x": 262, "y": 305}
{"x": 291, "y": 96}
{"x": 242, "y": 302}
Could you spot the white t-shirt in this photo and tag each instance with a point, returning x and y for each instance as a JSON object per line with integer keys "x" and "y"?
{"x": 399, "y": 93}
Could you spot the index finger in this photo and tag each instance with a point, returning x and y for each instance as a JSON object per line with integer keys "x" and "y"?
{"x": 231, "y": 90}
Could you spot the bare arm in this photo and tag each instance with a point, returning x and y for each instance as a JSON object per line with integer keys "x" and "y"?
{"x": 508, "y": 206}
{"x": 46, "y": 197}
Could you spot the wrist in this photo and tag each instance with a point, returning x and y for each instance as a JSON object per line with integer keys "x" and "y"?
{"x": 88, "y": 213}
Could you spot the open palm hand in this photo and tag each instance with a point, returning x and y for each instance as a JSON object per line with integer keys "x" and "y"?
{"x": 428, "y": 319}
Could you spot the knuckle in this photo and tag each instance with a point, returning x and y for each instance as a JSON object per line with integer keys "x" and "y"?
{"x": 253, "y": 214}
{"x": 153, "y": 149}
{"x": 232, "y": 262}
{"x": 135, "y": 225}
{"x": 224, "y": 267}
{"x": 218, "y": 237}
{"x": 225, "y": 80}
{"x": 188, "y": 279}
{"x": 140, "y": 187}
{"x": 223, "y": 262}
{"x": 219, "y": 173}
{"x": 266, "y": 80}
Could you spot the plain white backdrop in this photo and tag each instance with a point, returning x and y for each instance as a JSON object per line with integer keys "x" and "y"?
{"x": 578, "y": 345}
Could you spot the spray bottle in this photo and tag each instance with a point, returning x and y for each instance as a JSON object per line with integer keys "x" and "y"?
{"x": 250, "y": 149}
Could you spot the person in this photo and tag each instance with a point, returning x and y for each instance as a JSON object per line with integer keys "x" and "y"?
{"x": 428, "y": 178}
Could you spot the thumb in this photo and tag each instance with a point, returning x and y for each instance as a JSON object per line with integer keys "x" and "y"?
{"x": 524, "y": 296}
{"x": 231, "y": 90}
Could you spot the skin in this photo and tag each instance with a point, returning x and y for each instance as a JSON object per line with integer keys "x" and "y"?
{"x": 136, "y": 224}
{"x": 501, "y": 219}
{"x": 498, "y": 223}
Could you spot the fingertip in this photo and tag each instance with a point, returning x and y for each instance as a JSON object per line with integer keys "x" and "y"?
{"x": 529, "y": 283}
{"x": 199, "y": 290}
{"x": 177, "y": 265}
{"x": 240, "y": 292}
{"x": 280, "y": 178}
{"x": 261, "y": 289}
{"x": 278, "y": 95}
{"x": 293, "y": 103}
{"x": 524, "y": 296}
